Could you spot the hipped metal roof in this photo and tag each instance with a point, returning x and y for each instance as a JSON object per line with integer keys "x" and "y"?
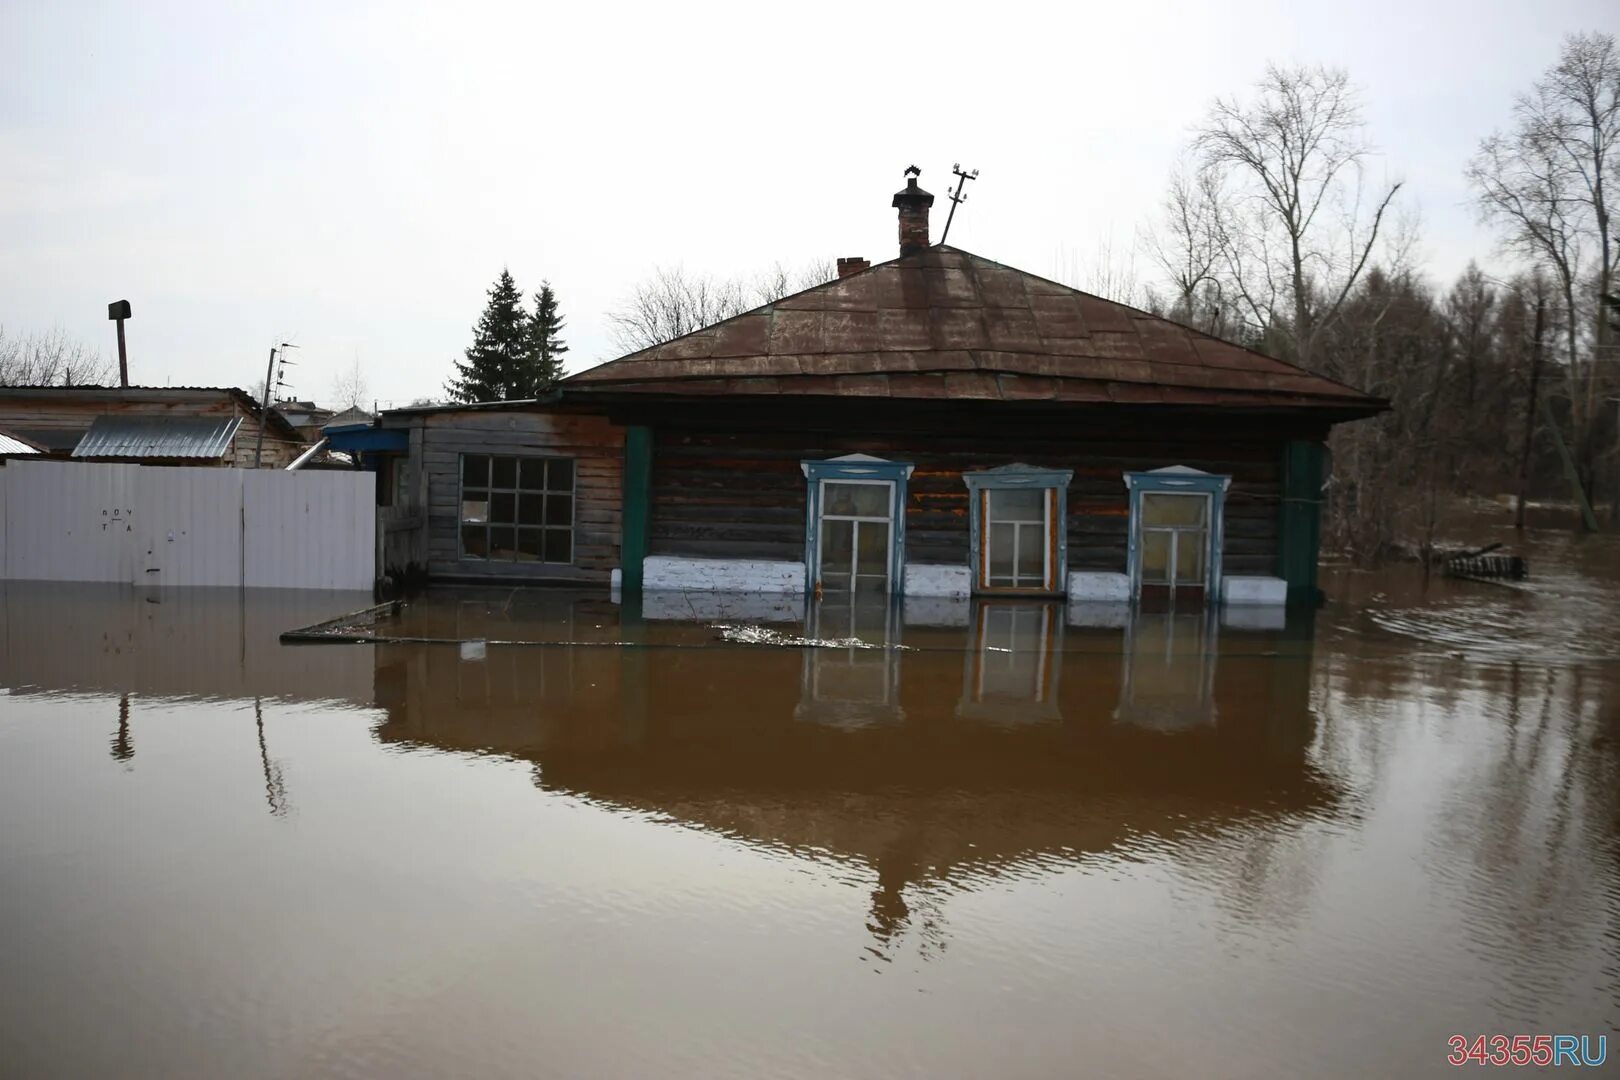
{"x": 947, "y": 324}
{"x": 118, "y": 436}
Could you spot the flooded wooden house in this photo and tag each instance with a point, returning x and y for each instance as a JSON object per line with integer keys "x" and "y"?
{"x": 935, "y": 425}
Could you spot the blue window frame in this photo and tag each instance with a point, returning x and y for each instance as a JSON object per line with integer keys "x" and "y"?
{"x": 1176, "y": 529}
{"x": 1018, "y": 534}
{"x": 855, "y": 524}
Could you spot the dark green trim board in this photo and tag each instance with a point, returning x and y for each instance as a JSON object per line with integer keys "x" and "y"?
{"x": 1299, "y": 527}
{"x": 637, "y": 511}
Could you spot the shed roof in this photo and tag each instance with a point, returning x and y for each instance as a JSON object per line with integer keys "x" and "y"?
{"x": 15, "y": 444}
{"x": 121, "y": 436}
{"x": 946, "y": 324}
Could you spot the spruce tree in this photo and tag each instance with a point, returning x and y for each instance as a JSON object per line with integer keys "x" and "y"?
{"x": 498, "y": 361}
{"x": 546, "y": 345}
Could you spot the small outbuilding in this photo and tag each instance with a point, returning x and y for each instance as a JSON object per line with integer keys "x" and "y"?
{"x": 935, "y": 425}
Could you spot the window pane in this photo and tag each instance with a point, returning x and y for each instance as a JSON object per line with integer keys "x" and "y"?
{"x": 475, "y": 470}
{"x": 503, "y": 472}
{"x": 474, "y": 542}
{"x": 1156, "y": 557}
{"x": 532, "y": 473}
{"x": 560, "y": 474}
{"x": 1002, "y": 547}
{"x": 1162, "y": 509}
{"x": 856, "y": 500}
{"x": 1018, "y": 504}
{"x": 529, "y": 543}
{"x": 837, "y": 547}
{"x": 503, "y": 508}
{"x": 1032, "y": 555}
{"x": 531, "y": 509}
{"x": 559, "y": 546}
{"x": 559, "y": 509}
{"x": 1190, "y": 557}
{"x": 502, "y": 544}
{"x": 475, "y": 506}
{"x": 872, "y": 550}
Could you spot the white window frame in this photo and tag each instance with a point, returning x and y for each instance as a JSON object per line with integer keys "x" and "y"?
{"x": 822, "y": 517}
{"x": 1176, "y": 532}
{"x": 1045, "y": 526}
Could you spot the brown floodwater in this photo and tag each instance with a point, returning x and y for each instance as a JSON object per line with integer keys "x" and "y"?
{"x": 722, "y": 836}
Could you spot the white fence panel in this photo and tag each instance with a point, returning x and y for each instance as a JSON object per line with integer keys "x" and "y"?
{"x": 189, "y": 527}
{"x": 169, "y": 526}
{"x": 70, "y": 522}
{"x": 310, "y": 530}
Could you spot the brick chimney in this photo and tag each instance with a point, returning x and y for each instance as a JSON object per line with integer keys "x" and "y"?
{"x": 852, "y": 265}
{"x": 913, "y": 203}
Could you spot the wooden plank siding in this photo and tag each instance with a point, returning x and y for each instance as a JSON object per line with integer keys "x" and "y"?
{"x": 594, "y": 443}
{"x": 69, "y": 418}
{"x": 742, "y": 494}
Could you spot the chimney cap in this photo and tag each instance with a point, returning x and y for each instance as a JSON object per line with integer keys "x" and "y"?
{"x": 912, "y": 197}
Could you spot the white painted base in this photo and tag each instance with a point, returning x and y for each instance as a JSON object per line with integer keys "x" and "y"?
{"x": 923, "y": 579}
{"x": 1108, "y": 614}
{"x": 660, "y": 573}
{"x": 704, "y": 605}
{"x": 937, "y": 610}
{"x": 1090, "y": 586}
{"x": 1254, "y": 617}
{"x": 1254, "y": 590}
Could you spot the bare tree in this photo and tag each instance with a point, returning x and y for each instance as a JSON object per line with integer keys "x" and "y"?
{"x": 49, "y": 359}
{"x": 1545, "y": 184}
{"x": 673, "y": 301}
{"x": 1187, "y": 247}
{"x": 349, "y": 387}
{"x": 1298, "y": 221}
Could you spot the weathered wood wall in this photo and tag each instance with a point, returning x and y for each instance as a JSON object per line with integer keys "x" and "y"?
{"x": 68, "y": 419}
{"x": 742, "y": 494}
{"x": 595, "y": 444}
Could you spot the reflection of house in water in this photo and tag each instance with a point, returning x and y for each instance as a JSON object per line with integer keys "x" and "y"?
{"x": 1169, "y": 670}
{"x": 855, "y": 678}
{"x": 968, "y": 752}
{"x": 1014, "y": 661}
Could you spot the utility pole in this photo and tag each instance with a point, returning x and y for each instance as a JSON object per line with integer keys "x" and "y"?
{"x": 956, "y": 195}
{"x": 118, "y": 311}
{"x": 1530, "y": 415}
{"x": 264, "y": 406}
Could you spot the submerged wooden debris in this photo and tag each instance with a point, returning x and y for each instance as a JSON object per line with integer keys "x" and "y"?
{"x": 1485, "y": 564}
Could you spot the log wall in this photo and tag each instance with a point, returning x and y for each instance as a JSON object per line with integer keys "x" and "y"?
{"x": 742, "y": 494}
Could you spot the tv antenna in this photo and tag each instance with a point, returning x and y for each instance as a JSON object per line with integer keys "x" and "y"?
{"x": 957, "y": 195}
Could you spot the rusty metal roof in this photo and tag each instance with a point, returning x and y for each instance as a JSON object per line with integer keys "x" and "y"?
{"x": 12, "y": 444}
{"x": 947, "y": 324}
{"x": 118, "y": 436}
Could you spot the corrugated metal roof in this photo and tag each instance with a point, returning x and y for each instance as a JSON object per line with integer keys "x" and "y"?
{"x": 944, "y": 323}
{"x": 11, "y": 445}
{"x": 157, "y": 437}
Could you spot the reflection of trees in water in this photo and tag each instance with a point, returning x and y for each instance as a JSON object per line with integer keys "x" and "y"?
{"x": 1530, "y": 812}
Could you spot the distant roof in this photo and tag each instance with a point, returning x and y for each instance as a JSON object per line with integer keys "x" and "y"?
{"x": 947, "y": 324}
{"x": 15, "y": 444}
{"x": 352, "y": 415}
{"x": 154, "y": 395}
{"x": 167, "y": 437}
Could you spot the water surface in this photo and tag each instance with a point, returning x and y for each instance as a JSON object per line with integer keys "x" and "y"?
{"x": 704, "y": 836}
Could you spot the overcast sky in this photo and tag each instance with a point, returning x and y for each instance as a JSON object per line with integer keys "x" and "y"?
{"x": 352, "y": 179}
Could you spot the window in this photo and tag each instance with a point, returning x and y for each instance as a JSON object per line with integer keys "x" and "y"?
{"x": 1175, "y": 534}
{"x": 1017, "y": 541}
{"x": 855, "y": 528}
{"x": 517, "y": 509}
{"x": 1175, "y": 538}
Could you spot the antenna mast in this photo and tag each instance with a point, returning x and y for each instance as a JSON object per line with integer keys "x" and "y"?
{"x": 957, "y": 195}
